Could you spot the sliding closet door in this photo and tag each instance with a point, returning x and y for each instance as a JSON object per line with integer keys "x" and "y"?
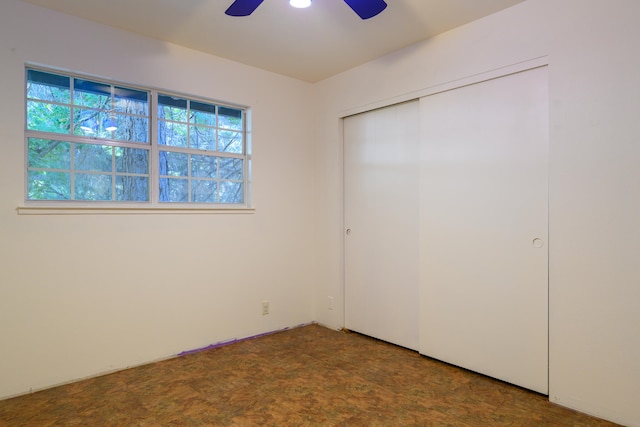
{"x": 483, "y": 228}
{"x": 381, "y": 219}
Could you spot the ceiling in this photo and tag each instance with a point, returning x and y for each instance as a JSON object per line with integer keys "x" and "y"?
{"x": 307, "y": 44}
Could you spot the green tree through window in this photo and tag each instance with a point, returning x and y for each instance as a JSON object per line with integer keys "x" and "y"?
{"x": 90, "y": 140}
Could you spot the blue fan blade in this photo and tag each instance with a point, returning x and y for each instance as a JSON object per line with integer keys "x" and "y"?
{"x": 366, "y": 8}
{"x": 243, "y": 7}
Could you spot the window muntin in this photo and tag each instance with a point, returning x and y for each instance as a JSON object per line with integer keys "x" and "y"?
{"x": 198, "y": 125}
{"x": 200, "y": 178}
{"x": 75, "y": 106}
{"x": 63, "y": 170}
{"x": 73, "y": 154}
{"x": 201, "y": 155}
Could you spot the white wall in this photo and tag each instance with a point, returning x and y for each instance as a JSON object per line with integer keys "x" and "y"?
{"x": 75, "y": 302}
{"x": 80, "y": 295}
{"x": 594, "y": 91}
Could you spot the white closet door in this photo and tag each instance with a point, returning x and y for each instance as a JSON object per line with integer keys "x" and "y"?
{"x": 483, "y": 228}
{"x": 381, "y": 219}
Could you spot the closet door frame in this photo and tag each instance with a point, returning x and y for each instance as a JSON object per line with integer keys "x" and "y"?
{"x": 469, "y": 78}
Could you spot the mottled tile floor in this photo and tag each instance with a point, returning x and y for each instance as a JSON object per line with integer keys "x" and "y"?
{"x": 308, "y": 376}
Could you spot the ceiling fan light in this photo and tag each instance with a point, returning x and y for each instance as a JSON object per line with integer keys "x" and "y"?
{"x": 88, "y": 126}
{"x": 300, "y": 3}
{"x": 110, "y": 125}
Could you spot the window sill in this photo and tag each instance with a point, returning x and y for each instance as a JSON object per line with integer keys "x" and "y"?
{"x": 133, "y": 210}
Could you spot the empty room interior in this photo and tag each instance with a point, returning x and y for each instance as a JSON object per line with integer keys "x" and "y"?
{"x": 468, "y": 195}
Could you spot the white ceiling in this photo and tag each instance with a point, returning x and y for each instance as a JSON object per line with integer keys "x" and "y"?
{"x": 307, "y": 44}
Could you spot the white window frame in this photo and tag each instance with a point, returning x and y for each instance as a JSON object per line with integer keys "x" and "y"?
{"x": 154, "y": 205}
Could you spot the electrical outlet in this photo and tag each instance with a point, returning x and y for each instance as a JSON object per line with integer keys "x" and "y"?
{"x": 265, "y": 308}
{"x": 330, "y": 305}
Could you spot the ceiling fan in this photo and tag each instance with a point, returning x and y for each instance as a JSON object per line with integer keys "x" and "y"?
{"x": 364, "y": 8}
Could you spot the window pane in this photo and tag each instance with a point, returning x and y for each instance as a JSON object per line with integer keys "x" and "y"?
{"x": 92, "y": 94}
{"x": 203, "y": 138}
{"x": 45, "y": 185}
{"x": 131, "y": 101}
{"x": 174, "y": 190}
{"x": 132, "y": 160}
{"x": 132, "y": 188}
{"x": 131, "y": 128}
{"x": 174, "y": 164}
{"x": 204, "y": 191}
{"x": 91, "y": 123}
{"x": 172, "y": 134}
{"x": 231, "y": 192}
{"x": 203, "y": 114}
{"x": 92, "y": 186}
{"x": 230, "y": 118}
{"x": 230, "y": 142}
{"x": 170, "y": 108}
{"x": 90, "y": 157}
{"x": 49, "y": 154}
{"x": 166, "y": 112}
{"x": 47, "y": 117}
{"x": 87, "y": 122}
{"x": 48, "y": 87}
{"x": 231, "y": 169}
{"x": 204, "y": 166}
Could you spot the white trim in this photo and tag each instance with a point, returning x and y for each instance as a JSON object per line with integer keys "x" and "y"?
{"x": 106, "y": 210}
{"x": 453, "y": 84}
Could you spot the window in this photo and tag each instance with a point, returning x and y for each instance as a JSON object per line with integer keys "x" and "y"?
{"x": 201, "y": 155}
{"x": 92, "y": 141}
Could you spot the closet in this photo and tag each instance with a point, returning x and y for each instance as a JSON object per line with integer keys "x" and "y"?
{"x": 446, "y": 236}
